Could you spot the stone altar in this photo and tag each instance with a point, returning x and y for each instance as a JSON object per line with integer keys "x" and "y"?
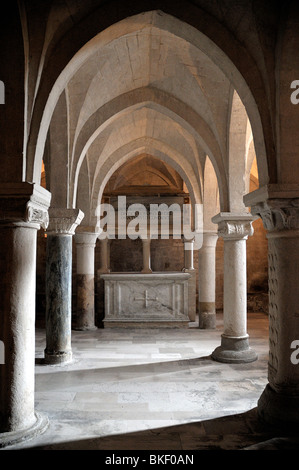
{"x": 148, "y": 300}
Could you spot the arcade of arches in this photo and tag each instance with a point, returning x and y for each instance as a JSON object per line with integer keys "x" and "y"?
{"x": 161, "y": 103}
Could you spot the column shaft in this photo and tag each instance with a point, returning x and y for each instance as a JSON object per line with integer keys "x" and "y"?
{"x": 189, "y": 268}
{"x": 146, "y": 245}
{"x": 63, "y": 223}
{"x": 235, "y": 230}
{"x": 104, "y": 256}
{"x": 207, "y": 281}
{"x": 104, "y": 269}
{"x": 279, "y": 403}
{"x": 235, "y": 288}
{"x": 85, "y": 248}
{"x": 18, "y": 257}
{"x": 58, "y": 299}
{"x": 23, "y": 208}
{"x": 188, "y": 254}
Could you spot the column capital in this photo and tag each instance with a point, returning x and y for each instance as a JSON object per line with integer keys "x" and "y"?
{"x": 64, "y": 221}
{"x": 187, "y": 240}
{"x": 87, "y": 236}
{"x": 277, "y": 205}
{"x": 24, "y": 203}
{"x": 209, "y": 238}
{"x": 233, "y": 226}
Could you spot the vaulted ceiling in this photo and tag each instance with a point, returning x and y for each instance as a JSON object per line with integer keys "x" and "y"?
{"x": 142, "y": 90}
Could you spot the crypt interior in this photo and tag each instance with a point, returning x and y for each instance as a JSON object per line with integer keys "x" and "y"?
{"x": 114, "y": 335}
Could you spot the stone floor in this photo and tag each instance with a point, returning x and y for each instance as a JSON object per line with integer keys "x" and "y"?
{"x": 154, "y": 389}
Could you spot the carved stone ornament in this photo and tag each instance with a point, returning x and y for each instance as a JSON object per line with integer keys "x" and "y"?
{"x": 24, "y": 203}
{"x": 36, "y": 215}
{"x": 278, "y": 214}
{"x": 235, "y": 229}
{"x": 234, "y": 226}
{"x": 277, "y": 205}
{"x": 64, "y": 221}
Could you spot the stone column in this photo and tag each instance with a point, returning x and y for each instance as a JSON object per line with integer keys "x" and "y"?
{"x": 63, "y": 223}
{"x": 23, "y": 209}
{"x": 146, "y": 247}
{"x": 188, "y": 254}
{"x": 104, "y": 256}
{"x": 278, "y": 206}
{"x": 104, "y": 269}
{"x": 207, "y": 281}
{"x": 85, "y": 248}
{"x": 109, "y": 254}
{"x": 189, "y": 268}
{"x": 235, "y": 230}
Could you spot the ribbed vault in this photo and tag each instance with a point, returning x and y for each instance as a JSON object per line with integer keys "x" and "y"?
{"x": 149, "y": 84}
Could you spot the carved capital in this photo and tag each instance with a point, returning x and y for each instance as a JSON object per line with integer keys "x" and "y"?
{"x": 234, "y": 226}
{"x": 235, "y": 230}
{"x": 278, "y": 214}
{"x": 64, "y": 221}
{"x": 277, "y": 205}
{"x": 24, "y": 203}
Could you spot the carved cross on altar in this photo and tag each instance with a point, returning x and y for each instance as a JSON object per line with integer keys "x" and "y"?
{"x": 146, "y": 298}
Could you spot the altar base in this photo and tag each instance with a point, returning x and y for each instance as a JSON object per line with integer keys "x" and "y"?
{"x": 152, "y": 300}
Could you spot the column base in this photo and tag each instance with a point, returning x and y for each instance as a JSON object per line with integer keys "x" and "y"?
{"x": 207, "y": 316}
{"x": 278, "y": 409}
{"x": 207, "y": 321}
{"x": 58, "y": 358}
{"x": 16, "y": 437}
{"x": 85, "y": 328}
{"x": 234, "y": 349}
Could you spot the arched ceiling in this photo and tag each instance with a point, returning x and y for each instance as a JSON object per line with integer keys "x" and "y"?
{"x": 150, "y": 57}
{"x": 147, "y": 175}
{"x": 144, "y": 90}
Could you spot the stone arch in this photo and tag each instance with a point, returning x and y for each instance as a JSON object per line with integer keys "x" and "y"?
{"x": 83, "y": 148}
{"x": 67, "y": 66}
{"x": 238, "y": 137}
{"x": 163, "y": 103}
{"x": 132, "y": 170}
{"x": 250, "y": 164}
{"x": 211, "y": 203}
{"x": 122, "y": 155}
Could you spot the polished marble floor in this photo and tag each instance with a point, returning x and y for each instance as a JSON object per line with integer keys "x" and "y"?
{"x": 151, "y": 389}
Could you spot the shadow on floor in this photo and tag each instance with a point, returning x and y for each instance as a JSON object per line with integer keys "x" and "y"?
{"x": 86, "y": 371}
{"x": 242, "y": 431}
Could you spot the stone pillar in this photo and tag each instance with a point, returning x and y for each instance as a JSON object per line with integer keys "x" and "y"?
{"x": 85, "y": 248}
{"x": 63, "y": 223}
{"x": 189, "y": 268}
{"x": 104, "y": 269}
{"x": 278, "y": 206}
{"x": 207, "y": 281}
{"x": 188, "y": 254}
{"x": 104, "y": 256}
{"x": 235, "y": 230}
{"x": 108, "y": 254}
{"x": 23, "y": 209}
{"x": 146, "y": 247}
